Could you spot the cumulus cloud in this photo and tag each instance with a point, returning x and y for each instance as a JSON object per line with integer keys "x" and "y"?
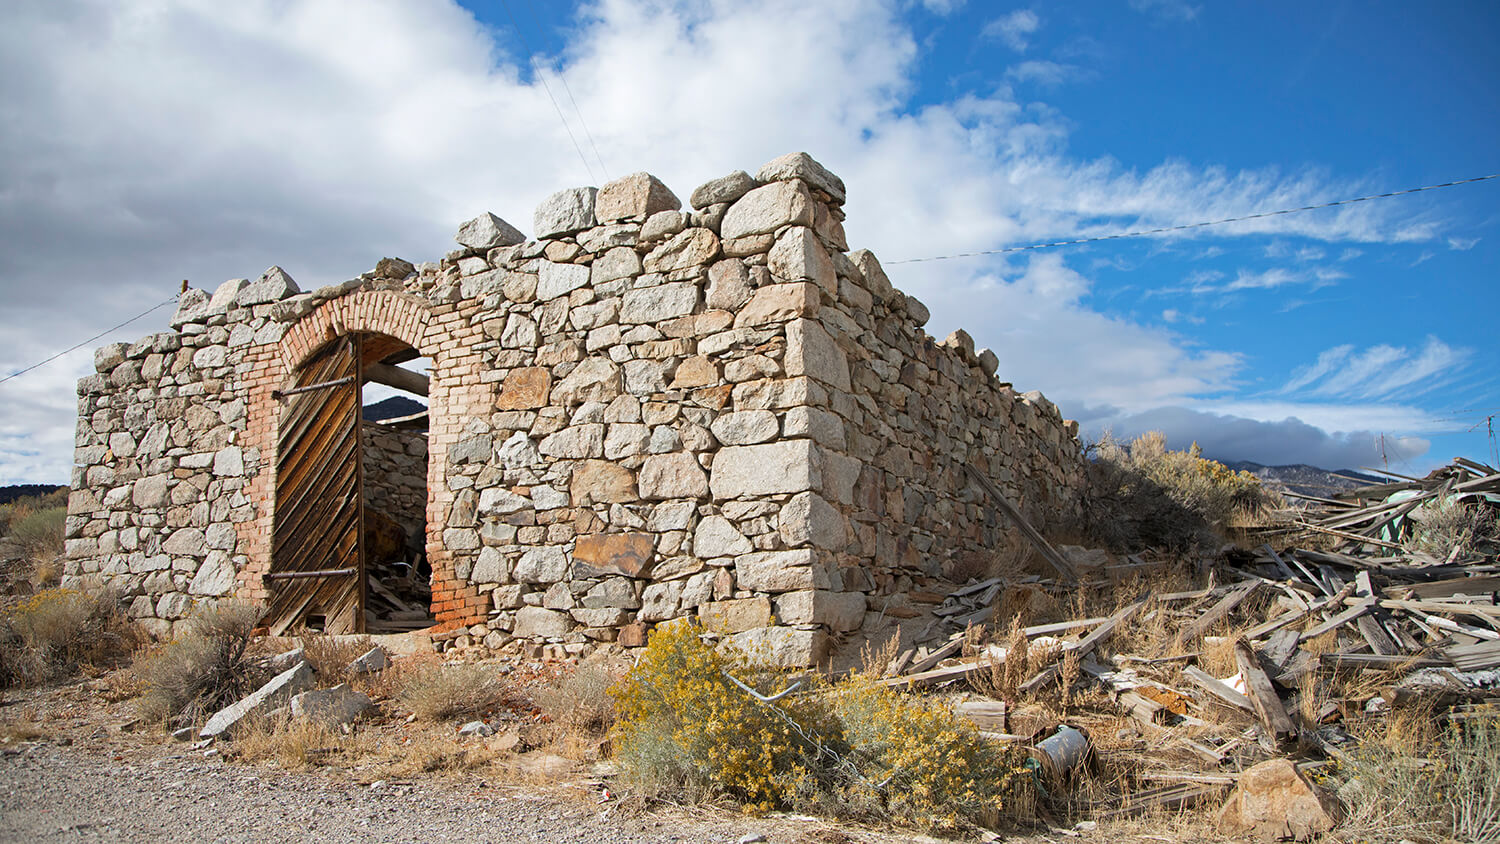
{"x": 1280, "y": 442}
{"x": 1014, "y": 29}
{"x": 148, "y": 143}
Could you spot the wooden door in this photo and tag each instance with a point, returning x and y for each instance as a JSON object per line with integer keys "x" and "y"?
{"x": 317, "y": 564}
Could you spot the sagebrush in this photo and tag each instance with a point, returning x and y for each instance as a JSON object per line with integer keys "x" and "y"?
{"x": 1447, "y": 529}
{"x": 435, "y": 692}
{"x": 1145, "y": 495}
{"x": 204, "y": 668}
{"x": 57, "y": 632}
{"x": 685, "y": 728}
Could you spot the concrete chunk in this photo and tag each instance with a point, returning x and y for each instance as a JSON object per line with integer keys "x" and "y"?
{"x": 298, "y": 678}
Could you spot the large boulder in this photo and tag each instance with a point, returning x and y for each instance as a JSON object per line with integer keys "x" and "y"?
{"x": 1274, "y": 801}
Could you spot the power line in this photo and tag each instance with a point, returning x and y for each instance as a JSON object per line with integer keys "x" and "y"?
{"x": 531, "y": 57}
{"x": 21, "y": 372}
{"x": 1186, "y": 226}
{"x": 563, "y": 78}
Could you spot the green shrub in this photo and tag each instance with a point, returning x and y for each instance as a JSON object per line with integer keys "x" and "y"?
{"x": 57, "y": 632}
{"x": 41, "y": 531}
{"x": 857, "y": 750}
{"x": 1145, "y": 495}
{"x": 202, "y": 670}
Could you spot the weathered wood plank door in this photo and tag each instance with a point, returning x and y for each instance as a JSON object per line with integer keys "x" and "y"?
{"x": 317, "y": 564}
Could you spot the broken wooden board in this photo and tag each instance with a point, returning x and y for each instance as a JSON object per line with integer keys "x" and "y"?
{"x": 1263, "y": 695}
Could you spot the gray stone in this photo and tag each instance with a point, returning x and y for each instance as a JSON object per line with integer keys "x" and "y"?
{"x": 371, "y": 661}
{"x": 536, "y": 622}
{"x": 192, "y": 306}
{"x": 225, "y": 295}
{"x": 811, "y": 351}
{"x": 649, "y": 305}
{"x": 554, "y": 280}
{"x": 273, "y": 285}
{"x": 476, "y": 728}
{"x": 783, "y": 646}
{"x": 490, "y": 567}
{"x": 876, "y": 281}
{"x": 660, "y": 601}
{"x": 229, "y": 462}
{"x": 488, "y": 231}
{"x": 745, "y": 427}
{"x": 716, "y": 536}
{"x": 612, "y": 592}
{"x": 825, "y": 428}
{"x": 298, "y": 678}
{"x": 576, "y": 442}
{"x": 840, "y": 612}
{"x": 766, "y": 209}
{"x": 799, "y": 256}
{"x": 186, "y": 541}
{"x": 331, "y": 707}
{"x": 675, "y": 475}
{"x": 594, "y": 379}
{"x": 215, "y": 577}
{"x": 780, "y": 571}
{"x": 728, "y": 285}
{"x": 662, "y": 225}
{"x": 111, "y": 355}
{"x": 765, "y": 469}
{"x": 917, "y": 311}
{"x": 800, "y": 165}
{"x": 808, "y": 519}
{"x": 544, "y": 564}
{"x": 723, "y": 189}
{"x": 988, "y": 361}
{"x": 692, "y": 248}
{"x": 564, "y": 213}
{"x": 620, "y": 262}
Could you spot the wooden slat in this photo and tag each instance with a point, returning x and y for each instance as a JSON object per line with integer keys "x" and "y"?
{"x": 1263, "y": 695}
{"x": 1044, "y": 548}
{"x": 318, "y": 521}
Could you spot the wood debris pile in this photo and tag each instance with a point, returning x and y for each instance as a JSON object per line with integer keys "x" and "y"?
{"x": 1284, "y": 654}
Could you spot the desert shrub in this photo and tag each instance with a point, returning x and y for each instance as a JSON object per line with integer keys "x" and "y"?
{"x": 1445, "y": 789}
{"x": 1449, "y": 528}
{"x": 40, "y": 530}
{"x": 330, "y": 656}
{"x": 1145, "y": 495}
{"x": 204, "y": 669}
{"x": 57, "y": 632}
{"x": 687, "y": 730}
{"x": 580, "y": 701}
{"x": 436, "y": 692}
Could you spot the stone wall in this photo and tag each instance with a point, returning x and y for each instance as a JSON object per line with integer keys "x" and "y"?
{"x": 645, "y": 413}
{"x": 395, "y": 466}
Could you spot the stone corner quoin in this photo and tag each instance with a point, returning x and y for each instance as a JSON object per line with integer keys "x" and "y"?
{"x": 649, "y": 412}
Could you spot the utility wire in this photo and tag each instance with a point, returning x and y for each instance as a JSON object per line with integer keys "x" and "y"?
{"x": 1187, "y": 226}
{"x": 21, "y": 372}
{"x": 563, "y": 78}
{"x": 537, "y": 68}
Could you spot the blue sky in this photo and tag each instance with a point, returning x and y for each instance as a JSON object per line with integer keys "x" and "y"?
{"x": 149, "y": 142}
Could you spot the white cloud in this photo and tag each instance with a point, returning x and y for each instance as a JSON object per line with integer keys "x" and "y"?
{"x": 1463, "y": 244}
{"x": 155, "y": 141}
{"x": 1169, "y": 10}
{"x": 1044, "y": 73}
{"x": 1378, "y": 371}
{"x": 1013, "y": 29}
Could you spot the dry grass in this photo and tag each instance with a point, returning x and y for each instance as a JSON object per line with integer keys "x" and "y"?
{"x": 580, "y": 702}
{"x": 330, "y": 656}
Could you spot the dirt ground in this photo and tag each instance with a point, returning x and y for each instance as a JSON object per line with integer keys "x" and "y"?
{"x": 76, "y": 767}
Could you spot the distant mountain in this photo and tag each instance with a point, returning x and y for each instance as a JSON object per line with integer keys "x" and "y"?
{"x": 1306, "y": 480}
{"x": 11, "y": 493}
{"x": 394, "y": 407}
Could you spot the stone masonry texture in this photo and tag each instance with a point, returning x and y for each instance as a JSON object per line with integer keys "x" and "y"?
{"x": 650, "y": 413}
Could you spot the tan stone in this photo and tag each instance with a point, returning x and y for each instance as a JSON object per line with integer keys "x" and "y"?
{"x": 786, "y": 647}
{"x": 779, "y": 303}
{"x": 602, "y": 482}
{"x": 696, "y": 371}
{"x": 780, "y": 571}
{"x": 524, "y": 389}
{"x": 605, "y": 554}
{"x": 634, "y": 197}
{"x": 1274, "y": 801}
{"x": 749, "y": 471}
{"x": 675, "y": 475}
{"x": 736, "y": 616}
{"x": 696, "y": 325}
{"x": 632, "y": 635}
{"x": 840, "y": 612}
{"x": 594, "y": 379}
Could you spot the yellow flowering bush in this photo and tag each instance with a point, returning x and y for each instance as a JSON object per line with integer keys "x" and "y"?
{"x": 685, "y": 728}
{"x": 58, "y": 631}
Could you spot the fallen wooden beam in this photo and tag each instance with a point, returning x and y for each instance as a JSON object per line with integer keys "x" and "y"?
{"x": 1044, "y": 548}
{"x": 1263, "y": 695}
{"x": 1218, "y": 688}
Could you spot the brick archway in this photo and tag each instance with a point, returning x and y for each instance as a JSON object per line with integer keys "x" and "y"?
{"x": 455, "y": 393}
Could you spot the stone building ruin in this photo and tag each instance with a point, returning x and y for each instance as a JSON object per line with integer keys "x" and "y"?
{"x": 644, "y": 413}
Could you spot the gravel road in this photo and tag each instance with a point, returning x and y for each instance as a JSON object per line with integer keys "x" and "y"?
{"x": 54, "y": 792}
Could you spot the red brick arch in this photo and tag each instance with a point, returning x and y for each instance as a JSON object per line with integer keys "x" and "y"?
{"x": 440, "y": 332}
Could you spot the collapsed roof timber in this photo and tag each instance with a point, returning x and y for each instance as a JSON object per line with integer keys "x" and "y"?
{"x": 644, "y": 413}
